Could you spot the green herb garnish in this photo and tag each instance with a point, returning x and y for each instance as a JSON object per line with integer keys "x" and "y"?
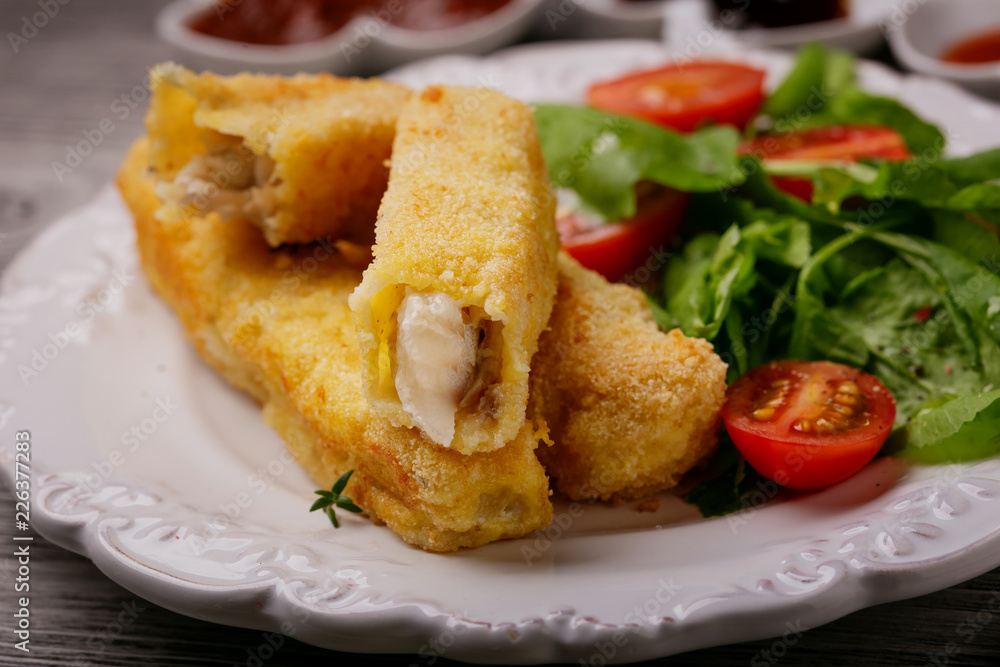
{"x": 329, "y": 499}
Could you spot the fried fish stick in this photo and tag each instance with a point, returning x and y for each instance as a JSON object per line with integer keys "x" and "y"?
{"x": 450, "y": 310}
{"x": 301, "y": 157}
{"x": 277, "y": 325}
{"x": 630, "y": 409}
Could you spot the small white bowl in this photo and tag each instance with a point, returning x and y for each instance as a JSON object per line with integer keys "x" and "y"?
{"x": 860, "y": 32}
{"x": 918, "y": 39}
{"x": 365, "y": 45}
{"x": 224, "y": 56}
{"x": 602, "y": 19}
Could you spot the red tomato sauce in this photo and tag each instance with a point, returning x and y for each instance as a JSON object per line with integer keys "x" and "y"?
{"x": 274, "y": 22}
{"x": 439, "y": 14}
{"x": 982, "y": 47}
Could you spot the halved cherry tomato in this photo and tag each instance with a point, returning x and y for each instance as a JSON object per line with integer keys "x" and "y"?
{"x": 614, "y": 249}
{"x": 684, "y": 96}
{"x": 808, "y": 424}
{"x": 848, "y": 143}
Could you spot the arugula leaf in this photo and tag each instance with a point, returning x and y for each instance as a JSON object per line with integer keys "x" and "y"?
{"x": 821, "y": 90}
{"x": 972, "y": 292}
{"x": 963, "y": 429}
{"x": 781, "y": 238}
{"x": 977, "y": 239}
{"x": 602, "y": 156}
{"x": 817, "y": 75}
{"x": 703, "y": 282}
{"x": 938, "y": 186}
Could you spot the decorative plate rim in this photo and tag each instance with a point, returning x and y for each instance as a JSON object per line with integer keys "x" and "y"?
{"x": 891, "y": 551}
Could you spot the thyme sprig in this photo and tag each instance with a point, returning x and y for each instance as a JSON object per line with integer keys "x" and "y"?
{"x": 329, "y": 499}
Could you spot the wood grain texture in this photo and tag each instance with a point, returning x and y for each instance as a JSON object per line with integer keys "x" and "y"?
{"x": 62, "y": 83}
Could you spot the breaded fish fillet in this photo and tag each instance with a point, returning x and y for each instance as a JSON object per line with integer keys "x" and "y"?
{"x": 277, "y": 325}
{"x": 629, "y": 408}
{"x": 302, "y": 157}
{"x": 450, "y": 310}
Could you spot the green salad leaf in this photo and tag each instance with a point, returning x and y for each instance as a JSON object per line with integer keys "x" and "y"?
{"x": 602, "y": 156}
{"x": 818, "y": 74}
{"x": 893, "y": 267}
{"x": 961, "y": 429}
{"x": 821, "y": 90}
{"x": 702, "y": 284}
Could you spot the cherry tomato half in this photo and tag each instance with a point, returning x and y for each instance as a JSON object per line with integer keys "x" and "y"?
{"x": 614, "y": 249}
{"x": 684, "y": 96}
{"x": 808, "y": 424}
{"x": 848, "y": 143}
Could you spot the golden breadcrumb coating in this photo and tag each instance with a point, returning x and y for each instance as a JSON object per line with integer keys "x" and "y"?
{"x": 301, "y": 156}
{"x": 629, "y": 408}
{"x": 469, "y": 213}
{"x": 277, "y": 325}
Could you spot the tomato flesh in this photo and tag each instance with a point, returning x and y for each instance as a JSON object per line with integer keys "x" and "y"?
{"x": 845, "y": 143}
{"x": 808, "y": 424}
{"x": 617, "y": 248}
{"x": 684, "y": 96}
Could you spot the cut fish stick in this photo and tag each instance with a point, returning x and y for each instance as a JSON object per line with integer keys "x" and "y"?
{"x": 450, "y": 310}
{"x": 629, "y": 408}
{"x": 302, "y": 157}
{"x": 277, "y": 325}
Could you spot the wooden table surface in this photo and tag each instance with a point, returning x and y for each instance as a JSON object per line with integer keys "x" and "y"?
{"x": 62, "y": 82}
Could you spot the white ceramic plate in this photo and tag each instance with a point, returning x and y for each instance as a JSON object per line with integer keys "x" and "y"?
{"x": 150, "y": 465}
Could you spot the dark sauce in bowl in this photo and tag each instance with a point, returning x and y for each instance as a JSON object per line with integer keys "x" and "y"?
{"x": 782, "y": 13}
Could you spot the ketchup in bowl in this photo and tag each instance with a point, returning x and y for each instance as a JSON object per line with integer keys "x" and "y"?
{"x": 277, "y": 22}
{"x": 983, "y": 47}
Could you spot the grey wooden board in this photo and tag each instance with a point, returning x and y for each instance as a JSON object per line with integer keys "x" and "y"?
{"x": 63, "y": 82}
